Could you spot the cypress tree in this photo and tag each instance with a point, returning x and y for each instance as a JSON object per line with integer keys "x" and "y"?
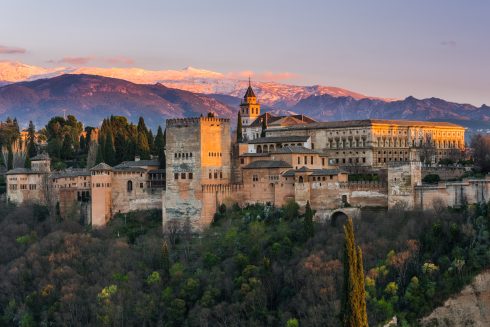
{"x": 239, "y": 127}
{"x": 109, "y": 153}
{"x": 27, "y": 162}
{"x": 10, "y": 157}
{"x": 31, "y": 140}
{"x": 159, "y": 147}
{"x": 264, "y": 126}
{"x": 354, "y": 312}
{"x": 165, "y": 259}
{"x": 309, "y": 228}
{"x": 143, "y": 149}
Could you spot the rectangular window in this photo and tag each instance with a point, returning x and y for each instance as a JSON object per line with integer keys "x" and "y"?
{"x": 311, "y": 160}
{"x": 141, "y": 185}
{"x": 190, "y": 176}
{"x": 176, "y": 176}
{"x": 255, "y": 178}
{"x": 323, "y": 161}
{"x": 182, "y": 176}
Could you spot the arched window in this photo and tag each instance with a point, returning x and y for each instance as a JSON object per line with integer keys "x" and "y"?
{"x": 130, "y": 186}
{"x": 301, "y": 179}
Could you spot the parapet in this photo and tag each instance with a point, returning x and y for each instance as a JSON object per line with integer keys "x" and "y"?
{"x": 195, "y": 121}
{"x": 211, "y": 188}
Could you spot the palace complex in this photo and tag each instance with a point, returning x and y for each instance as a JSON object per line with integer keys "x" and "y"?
{"x": 275, "y": 159}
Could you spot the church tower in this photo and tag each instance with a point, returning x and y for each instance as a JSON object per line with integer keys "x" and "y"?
{"x": 250, "y": 107}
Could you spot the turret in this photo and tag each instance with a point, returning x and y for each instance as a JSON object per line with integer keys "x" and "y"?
{"x": 250, "y": 107}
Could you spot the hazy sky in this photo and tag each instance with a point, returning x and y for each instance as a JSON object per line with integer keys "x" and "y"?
{"x": 383, "y": 48}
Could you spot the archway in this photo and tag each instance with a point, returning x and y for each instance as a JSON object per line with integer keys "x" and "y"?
{"x": 338, "y": 218}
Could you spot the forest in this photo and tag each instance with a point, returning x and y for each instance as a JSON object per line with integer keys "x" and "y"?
{"x": 254, "y": 266}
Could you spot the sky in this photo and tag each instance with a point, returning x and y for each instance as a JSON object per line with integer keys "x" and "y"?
{"x": 387, "y": 48}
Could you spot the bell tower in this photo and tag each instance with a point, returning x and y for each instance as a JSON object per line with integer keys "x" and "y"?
{"x": 249, "y": 107}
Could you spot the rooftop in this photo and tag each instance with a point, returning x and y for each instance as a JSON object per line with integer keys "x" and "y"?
{"x": 139, "y": 163}
{"x": 371, "y": 122}
{"x": 267, "y": 164}
{"x": 19, "y": 171}
{"x": 101, "y": 166}
{"x": 294, "y": 149}
{"x": 279, "y": 139}
{"x": 70, "y": 172}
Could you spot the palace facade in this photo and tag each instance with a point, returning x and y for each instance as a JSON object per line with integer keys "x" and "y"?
{"x": 298, "y": 159}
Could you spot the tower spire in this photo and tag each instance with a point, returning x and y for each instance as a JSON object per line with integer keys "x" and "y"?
{"x": 249, "y": 84}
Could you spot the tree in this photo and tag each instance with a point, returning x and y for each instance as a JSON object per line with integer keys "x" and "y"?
{"x": 239, "y": 127}
{"x": 109, "y": 153}
{"x": 354, "y": 313}
{"x": 31, "y": 140}
{"x": 427, "y": 149}
{"x": 165, "y": 259}
{"x": 264, "y": 126}
{"x": 143, "y": 148}
{"x": 481, "y": 151}
{"x": 159, "y": 146}
{"x": 27, "y": 163}
{"x": 308, "y": 222}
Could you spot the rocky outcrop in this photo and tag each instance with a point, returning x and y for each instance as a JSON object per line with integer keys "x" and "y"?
{"x": 471, "y": 307}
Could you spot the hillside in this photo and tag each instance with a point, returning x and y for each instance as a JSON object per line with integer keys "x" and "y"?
{"x": 328, "y": 108}
{"x": 470, "y": 307}
{"x": 92, "y": 98}
{"x": 254, "y": 266}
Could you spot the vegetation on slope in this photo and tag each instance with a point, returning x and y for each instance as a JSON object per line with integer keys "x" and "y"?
{"x": 255, "y": 266}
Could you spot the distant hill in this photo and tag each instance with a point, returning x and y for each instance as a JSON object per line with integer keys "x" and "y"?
{"x": 328, "y": 108}
{"x": 92, "y": 98}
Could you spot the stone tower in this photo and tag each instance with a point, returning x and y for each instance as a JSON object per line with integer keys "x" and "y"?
{"x": 101, "y": 188}
{"x": 249, "y": 107}
{"x": 198, "y": 153}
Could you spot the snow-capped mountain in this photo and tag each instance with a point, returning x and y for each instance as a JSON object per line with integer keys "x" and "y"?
{"x": 191, "y": 79}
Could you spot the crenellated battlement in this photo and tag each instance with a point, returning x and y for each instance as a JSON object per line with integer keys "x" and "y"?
{"x": 363, "y": 185}
{"x": 194, "y": 121}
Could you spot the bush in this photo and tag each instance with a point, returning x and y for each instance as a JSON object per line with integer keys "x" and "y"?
{"x": 431, "y": 179}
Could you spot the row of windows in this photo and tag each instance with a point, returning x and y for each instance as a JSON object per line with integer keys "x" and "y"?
{"x": 350, "y": 160}
{"x": 183, "y": 176}
{"x": 215, "y": 154}
{"x": 185, "y": 155}
{"x": 99, "y": 185}
{"x": 215, "y": 175}
{"x": 14, "y": 187}
{"x": 253, "y": 111}
{"x": 392, "y": 159}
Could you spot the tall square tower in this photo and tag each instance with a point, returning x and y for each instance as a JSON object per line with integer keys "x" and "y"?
{"x": 198, "y": 153}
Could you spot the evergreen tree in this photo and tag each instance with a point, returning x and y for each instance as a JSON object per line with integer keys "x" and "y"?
{"x": 165, "y": 260}
{"x": 354, "y": 312}
{"x": 143, "y": 149}
{"x": 67, "y": 151}
{"x": 159, "y": 147}
{"x": 109, "y": 153}
{"x": 31, "y": 140}
{"x": 100, "y": 155}
{"x": 309, "y": 228}
{"x": 10, "y": 157}
{"x": 27, "y": 162}
{"x": 264, "y": 126}
{"x": 239, "y": 129}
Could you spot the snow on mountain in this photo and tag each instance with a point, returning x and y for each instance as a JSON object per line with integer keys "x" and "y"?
{"x": 12, "y": 71}
{"x": 271, "y": 94}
